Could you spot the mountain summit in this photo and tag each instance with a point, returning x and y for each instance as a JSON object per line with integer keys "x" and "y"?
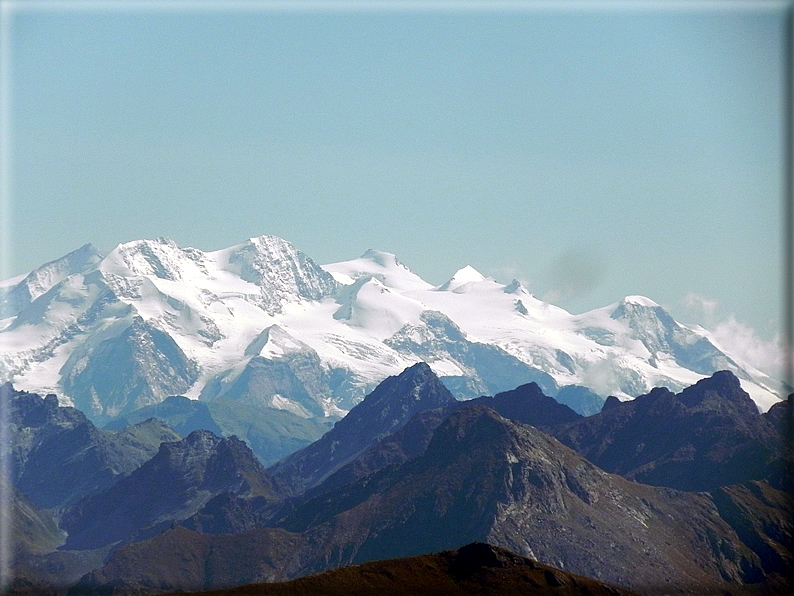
{"x": 384, "y": 411}
{"x": 157, "y": 319}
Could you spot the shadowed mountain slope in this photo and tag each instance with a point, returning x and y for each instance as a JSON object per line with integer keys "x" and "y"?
{"x": 477, "y": 568}
{"x": 389, "y": 407}
{"x": 481, "y": 478}
{"x": 709, "y": 435}
{"x": 58, "y": 456}
{"x": 526, "y": 404}
{"x": 529, "y": 405}
{"x": 272, "y": 434}
{"x": 172, "y": 486}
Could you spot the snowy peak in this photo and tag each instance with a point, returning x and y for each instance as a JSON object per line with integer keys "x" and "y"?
{"x": 369, "y": 304}
{"x": 81, "y": 260}
{"x": 282, "y": 273}
{"x": 380, "y": 265}
{"x": 40, "y": 281}
{"x": 274, "y": 342}
{"x": 639, "y": 301}
{"x": 264, "y": 314}
{"x": 666, "y": 339}
{"x": 462, "y": 277}
{"x": 386, "y": 260}
{"x": 634, "y": 307}
{"x": 159, "y": 258}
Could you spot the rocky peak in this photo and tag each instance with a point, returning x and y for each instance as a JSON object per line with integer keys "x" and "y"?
{"x": 275, "y": 342}
{"x": 59, "y": 456}
{"x": 415, "y": 384}
{"x": 161, "y": 258}
{"x": 643, "y": 315}
{"x": 717, "y": 391}
{"x": 466, "y": 275}
{"x": 199, "y": 444}
{"x": 384, "y": 411}
{"x": 529, "y": 405}
{"x": 779, "y": 416}
{"x": 515, "y": 287}
{"x": 282, "y": 272}
{"x": 611, "y": 402}
{"x": 396, "y": 400}
{"x": 173, "y": 485}
{"x": 437, "y": 332}
{"x": 658, "y": 397}
{"x": 470, "y": 429}
{"x": 32, "y": 411}
{"x": 709, "y": 435}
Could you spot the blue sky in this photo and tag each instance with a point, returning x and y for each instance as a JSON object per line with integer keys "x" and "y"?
{"x": 590, "y": 153}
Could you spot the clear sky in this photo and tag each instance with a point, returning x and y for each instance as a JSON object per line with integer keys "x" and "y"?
{"x": 591, "y": 153}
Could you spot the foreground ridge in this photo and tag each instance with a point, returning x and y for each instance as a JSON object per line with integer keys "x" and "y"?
{"x": 410, "y": 471}
{"x": 477, "y": 568}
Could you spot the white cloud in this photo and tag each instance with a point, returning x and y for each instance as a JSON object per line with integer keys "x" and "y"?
{"x": 736, "y": 338}
{"x": 743, "y": 342}
{"x": 602, "y": 376}
{"x": 701, "y": 306}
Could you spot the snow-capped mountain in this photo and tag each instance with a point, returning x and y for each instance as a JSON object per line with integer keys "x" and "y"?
{"x": 261, "y": 322}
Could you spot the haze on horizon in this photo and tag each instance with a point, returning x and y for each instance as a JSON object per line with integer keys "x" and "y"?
{"x": 590, "y": 154}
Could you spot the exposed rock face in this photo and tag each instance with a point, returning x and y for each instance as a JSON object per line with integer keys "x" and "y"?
{"x": 137, "y": 368}
{"x": 412, "y": 471}
{"x": 279, "y": 372}
{"x": 490, "y": 368}
{"x": 230, "y": 514}
{"x": 661, "y": 334}
{"x": 59, "y": 456}
{"x": 171, "y": 486}
{"x": 393, "y": 403}
{"x": 526, "y": 404}
{"x": 529, "y": 405}
{"x": 282, "y": 272}
{"x": 763, "y": 517}
{"x": 481, "y": 478}
{"x": 486, "y": 478}
{"x": 34, "y": 531}
{"x": 395, "y": 449}
{"x": 779, "y": 416}
{"x": 709, "y": 435}
{"x": 273, "y": 384}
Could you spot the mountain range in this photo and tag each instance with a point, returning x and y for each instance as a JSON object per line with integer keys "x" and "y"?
{"x": 413, "y": 472}
{"x": 260, "y": 324}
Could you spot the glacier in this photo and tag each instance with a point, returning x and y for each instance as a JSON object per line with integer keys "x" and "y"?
{"x": 263, "y": 323}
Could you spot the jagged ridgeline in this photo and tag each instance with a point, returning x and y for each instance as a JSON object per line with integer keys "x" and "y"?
{"x": 261, "y": 325}
{"x": 412, "y": 471}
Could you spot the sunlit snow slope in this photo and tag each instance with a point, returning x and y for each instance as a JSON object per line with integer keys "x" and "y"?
{"x": 261, "y": 322}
